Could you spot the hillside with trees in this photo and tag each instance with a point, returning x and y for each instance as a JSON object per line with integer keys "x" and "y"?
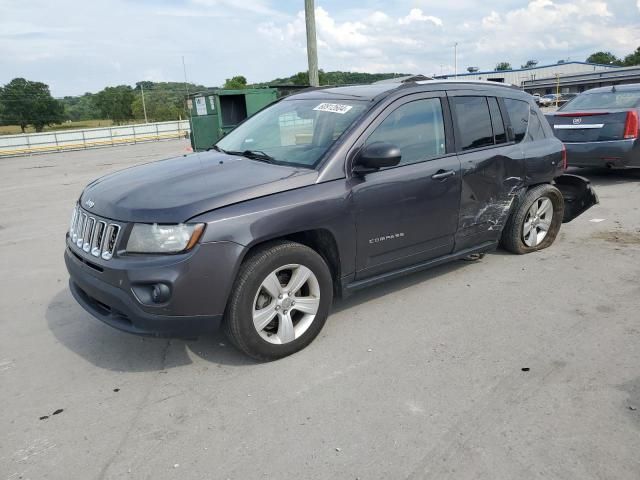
{"x": 333, "y": 78}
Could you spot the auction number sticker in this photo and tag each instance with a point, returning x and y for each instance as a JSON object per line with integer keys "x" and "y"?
{"x": 333, "y": 107}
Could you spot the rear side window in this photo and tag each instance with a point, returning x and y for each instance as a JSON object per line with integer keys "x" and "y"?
{"x": 619, "y": 99}
{"x": 535, "y": 131}
{"x": 474, "y": 120}
{"x": 499, "y": 133}
{"x": 519, "y": 115}
{"x": 417, "y": 128}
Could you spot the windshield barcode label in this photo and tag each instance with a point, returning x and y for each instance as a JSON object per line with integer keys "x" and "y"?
{"x": 333, "y": 107}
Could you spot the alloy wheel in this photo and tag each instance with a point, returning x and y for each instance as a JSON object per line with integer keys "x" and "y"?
{"x": 537, "y": 222}
{"x": 286, "y": 304}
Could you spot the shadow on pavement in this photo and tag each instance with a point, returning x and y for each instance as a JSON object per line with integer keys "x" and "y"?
{"x": 398, "y": 284}
{"x": 108, "y": 348}
{"x": 607, "y": 176}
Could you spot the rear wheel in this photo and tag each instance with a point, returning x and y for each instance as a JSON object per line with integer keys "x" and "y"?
{"x": 280, "y": 301}
{"x": 535, "y": 224}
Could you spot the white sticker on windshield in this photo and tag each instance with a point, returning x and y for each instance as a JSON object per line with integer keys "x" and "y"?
{"x": 333, "y": 107}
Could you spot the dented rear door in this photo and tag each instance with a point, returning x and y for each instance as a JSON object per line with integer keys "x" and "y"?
{"x": 492, "y": 167}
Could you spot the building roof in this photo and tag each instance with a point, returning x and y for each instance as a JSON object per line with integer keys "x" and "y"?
{"x": 537, "y": 67}
{"x": 617, "y": 74}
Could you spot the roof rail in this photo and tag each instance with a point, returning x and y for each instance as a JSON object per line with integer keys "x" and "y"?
{"x": 460, "y": 80}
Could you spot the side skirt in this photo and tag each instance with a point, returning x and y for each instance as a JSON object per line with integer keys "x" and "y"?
{"x": 349, "y": 288}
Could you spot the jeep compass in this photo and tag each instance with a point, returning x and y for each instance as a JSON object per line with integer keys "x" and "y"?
{"x": 320, "y": 194}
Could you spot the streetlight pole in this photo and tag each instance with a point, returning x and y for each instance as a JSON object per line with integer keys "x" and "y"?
{"x": 312, "y": 49}
{"x": 455, "y": 60}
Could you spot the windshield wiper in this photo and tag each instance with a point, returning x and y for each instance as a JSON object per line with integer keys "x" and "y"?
{"x": 216, "y": 148}
{"x": 254, "y": 155}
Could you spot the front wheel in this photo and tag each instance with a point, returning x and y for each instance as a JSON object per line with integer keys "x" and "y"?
{"x": 536, "y": 222}
{"x": 280, "y": 300}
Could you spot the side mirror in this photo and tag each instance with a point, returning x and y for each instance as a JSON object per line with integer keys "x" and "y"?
{"x": 375, "y": 156}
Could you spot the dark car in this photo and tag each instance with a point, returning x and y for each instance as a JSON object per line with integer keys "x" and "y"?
{"x": 599, "y": 127}
{"x": 320, "y": 194}
{"x": 566, "y": 98}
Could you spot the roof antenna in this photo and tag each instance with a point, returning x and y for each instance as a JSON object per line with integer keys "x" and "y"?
{"x": 613, "y": 89}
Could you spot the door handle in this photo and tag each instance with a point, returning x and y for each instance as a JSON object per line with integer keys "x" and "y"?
{"x": 442, "y": 174}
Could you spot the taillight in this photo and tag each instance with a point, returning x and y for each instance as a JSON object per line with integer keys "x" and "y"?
{"x": 564, "y": 157}
{"x": 631, "y": 125}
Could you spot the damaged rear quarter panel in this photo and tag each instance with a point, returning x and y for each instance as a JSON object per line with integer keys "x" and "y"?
{"x": 491, "y": 181}
{"x": 578, "y": 195}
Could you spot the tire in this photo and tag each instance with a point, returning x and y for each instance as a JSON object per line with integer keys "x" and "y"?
{"x": 515, "y": 237}
{"x": 254, "y": 297}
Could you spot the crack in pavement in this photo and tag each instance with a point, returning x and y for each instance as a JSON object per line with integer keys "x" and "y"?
{"x": 136, "y": 415}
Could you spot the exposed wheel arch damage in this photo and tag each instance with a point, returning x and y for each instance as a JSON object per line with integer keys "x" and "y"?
{"x": 578, "y": 195}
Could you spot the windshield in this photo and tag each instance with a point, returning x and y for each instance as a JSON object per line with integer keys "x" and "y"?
{"x": 293, "y": 132}
{"x": 601, "y": 100}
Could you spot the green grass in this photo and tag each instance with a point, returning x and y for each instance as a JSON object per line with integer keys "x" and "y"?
{"x": 15, "y": 129}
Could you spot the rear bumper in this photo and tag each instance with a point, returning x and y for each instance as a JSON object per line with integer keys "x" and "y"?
{"x": 612, "y": 154}
{"x": 116, "y": 292}
{"x": 578, "y": 194}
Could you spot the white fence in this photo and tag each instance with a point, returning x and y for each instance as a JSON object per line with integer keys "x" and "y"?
{"x": 63, "y": 140}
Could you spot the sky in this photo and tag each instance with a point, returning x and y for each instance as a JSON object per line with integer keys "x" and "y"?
{"x": 82, "y": 46}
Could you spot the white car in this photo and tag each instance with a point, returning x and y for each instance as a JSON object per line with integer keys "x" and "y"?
{"x": 548, "y": 100}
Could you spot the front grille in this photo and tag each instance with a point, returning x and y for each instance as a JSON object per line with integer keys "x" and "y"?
{"x": 94, "y": 235}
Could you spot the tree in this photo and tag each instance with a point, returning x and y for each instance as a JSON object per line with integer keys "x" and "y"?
{"x": 115, "y": 103}
{"x": 332, "y": 78}
{"x": 164, "y": 101}
{"x": 529, "y": 64}
{"x": 162, "y": 105}
{"x": 23, "y": 102}
{"x": 503, "y": 66}
{"x": 633, "y": 58}
{"x": 604, "y": 58}
{"x": 80, "y": 108}
{"x": 235, "y": 83}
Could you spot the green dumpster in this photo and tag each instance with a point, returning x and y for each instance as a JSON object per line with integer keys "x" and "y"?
{"x": 213, "y": 114}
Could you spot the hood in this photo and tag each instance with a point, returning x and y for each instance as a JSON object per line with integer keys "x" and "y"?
{"x": 177, "y": 189}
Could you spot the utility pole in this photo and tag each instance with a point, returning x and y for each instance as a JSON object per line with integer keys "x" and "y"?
{"x": 144, "y": 106}
{"x": 312, "y": 49}
{"x": 455, "y": 60}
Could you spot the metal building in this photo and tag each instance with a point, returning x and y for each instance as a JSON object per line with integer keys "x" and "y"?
{"x": 580, "y": 82}
{"x": 521, "y": 75}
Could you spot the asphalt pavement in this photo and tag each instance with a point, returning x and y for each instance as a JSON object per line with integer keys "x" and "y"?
{"x": 510, "y": 367}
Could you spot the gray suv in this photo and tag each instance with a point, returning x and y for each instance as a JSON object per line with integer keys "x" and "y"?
{"x": 320, "y": 194}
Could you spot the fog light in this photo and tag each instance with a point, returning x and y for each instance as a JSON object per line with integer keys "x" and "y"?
{"x": 160, "y": 293}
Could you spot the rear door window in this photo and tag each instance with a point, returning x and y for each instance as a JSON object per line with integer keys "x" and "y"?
{"x": 518, "y": 112}
{"x": 499, "y": 133}
{"x": 474, "y": 120}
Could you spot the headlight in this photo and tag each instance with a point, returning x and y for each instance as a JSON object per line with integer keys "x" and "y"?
{"x": 156, "y": 238}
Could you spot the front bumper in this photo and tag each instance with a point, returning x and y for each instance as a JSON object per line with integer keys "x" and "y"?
{"x": 115, "y": 291}
{"x": 612, "y": 154}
